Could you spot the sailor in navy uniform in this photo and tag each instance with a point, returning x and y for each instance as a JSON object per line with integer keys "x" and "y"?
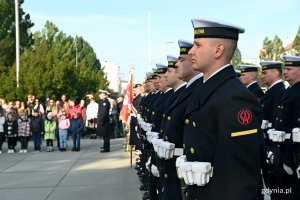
{"x": 249, "y": 79}
{"x": 103, "y": 124}
{"x": 284, "y": 132}
{"x": 173, "y": 129}
{"x": 271, "y": 77}
{"x": 222, "y": 136}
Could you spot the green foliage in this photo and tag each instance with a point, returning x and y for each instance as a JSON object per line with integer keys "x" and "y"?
{"x": 8, "y": 31}
{"x": 272, "y": 50}
{"x": 296, "y": 44}
{"x": 49, "y": 67}
{"x": 236, "y": 59}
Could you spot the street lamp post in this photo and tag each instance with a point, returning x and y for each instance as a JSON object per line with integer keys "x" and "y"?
{"x": 17, "y": 40}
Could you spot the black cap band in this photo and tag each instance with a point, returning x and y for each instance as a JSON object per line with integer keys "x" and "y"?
{"x": 272, "y": 66}
{"x": 216, "y": 32}
{"x": 251, "y": 69}
{"x": 292, "y": 63}
{"x": 184, "y": 50}
{"x": 171, "y": 64}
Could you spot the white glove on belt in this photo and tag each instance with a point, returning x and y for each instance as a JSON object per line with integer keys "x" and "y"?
{"x": 298, "y": 172}
{"x": 278, "y": 136}
{"x": 179, "y": 161}
{"x": 198, "y": 173}
{"x": 296, "y": 135}
{"x": 154, "y": 171}
{"x": 202, "y": 172}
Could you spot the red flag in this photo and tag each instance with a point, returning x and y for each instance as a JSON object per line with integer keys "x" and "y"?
{"x": 127, "y": 103}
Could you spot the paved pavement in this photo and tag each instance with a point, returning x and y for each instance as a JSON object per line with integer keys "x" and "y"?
{"x": 84, "y": 175}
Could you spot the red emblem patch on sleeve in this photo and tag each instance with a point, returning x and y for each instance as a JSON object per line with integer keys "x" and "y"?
{"x": 244, "y": 116}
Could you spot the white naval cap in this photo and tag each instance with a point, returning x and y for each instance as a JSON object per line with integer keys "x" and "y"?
{"x": 103, "y": 91}
{"x": 292, "y": 61}
{"x": 206, "y": 28}
{"x": 271, "y": 65}
{"x": 248, "y": 68}
{"x": 184, "y": 46}
{"x": 172, "y": 60}
{"x": 161, "y": 68}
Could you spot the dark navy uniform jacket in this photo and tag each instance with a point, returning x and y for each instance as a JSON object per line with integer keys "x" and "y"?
{"x": 270, "y": 102}
{"x": 287, "y": 119}
{"x": 103, "y": 124}
{"x": 256, "y": 90}
{"x": 222, "y": 126}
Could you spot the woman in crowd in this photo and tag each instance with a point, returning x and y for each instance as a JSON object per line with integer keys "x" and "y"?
{"x": 2, "y": 123}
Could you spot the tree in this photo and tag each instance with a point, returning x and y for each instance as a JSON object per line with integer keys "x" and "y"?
{"x": 49, "y": 67}
{"x": 236, "y": 59}
{"x": 7, "y": 31}
{"x": 277, "y": 49}
{"x": 266, "y": 52}
{"x": 296, "y": 44}
{"x": 272, "y": 50}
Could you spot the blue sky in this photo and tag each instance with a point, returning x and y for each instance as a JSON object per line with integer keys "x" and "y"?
{"x": 117, "y": 29}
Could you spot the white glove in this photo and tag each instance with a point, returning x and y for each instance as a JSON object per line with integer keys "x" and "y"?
{"x": 287, "y": 169}
{"x": 154, "y": 135}
{"x": 186, "y": 169}
{"x": 158, "y": 147}
{"x": 298, "y": 172}
{"x": 296, "y": 134}
{"x": 167, "y": 150}
{"x": 264, "y": 124}
{"x": 276, "y": 136}
{"x": 148, "y": 163}
{"x": 148, "y": 127}
{"x": 270, "y": 157}
{"x": 154, "y": 171}
{"x": 202, "y": 172}
{"x": 179, "y": 161}
{"x": 154, "y": 143}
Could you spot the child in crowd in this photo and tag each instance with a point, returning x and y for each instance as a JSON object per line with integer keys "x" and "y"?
{"x": 23, "y": 132}
{"x": 2, "y": 122}
{"x": 37, "y": 129}
{"x": 64, "y": 124}
{"x": 76, "y": 128}
{"x": 49, "y": 136}
{"x": 11, "y": 131}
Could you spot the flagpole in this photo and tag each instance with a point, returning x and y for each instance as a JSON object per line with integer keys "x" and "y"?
{"x": 132, "y": 78}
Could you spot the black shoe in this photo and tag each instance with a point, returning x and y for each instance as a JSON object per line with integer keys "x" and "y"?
{"x": 73, "y": 149}
{"x": 102, "y": 151}
{"x": 77, "y": 149}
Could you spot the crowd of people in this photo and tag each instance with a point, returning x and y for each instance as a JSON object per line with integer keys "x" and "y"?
{"x": 58, "y": 120}
{"x": 208, "y": 132}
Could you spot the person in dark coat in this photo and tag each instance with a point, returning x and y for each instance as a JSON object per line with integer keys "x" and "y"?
{"x": 76, "y": 128}
{"x": 271, "y": 77}
{"x": 174, "y": 125}
{"x": 222, "y": 137}
{"x": 103, "y": 124}
{"x": 37, "y": 129}
{"x": 249, "y": 79}
{"x": 286, "y": 121}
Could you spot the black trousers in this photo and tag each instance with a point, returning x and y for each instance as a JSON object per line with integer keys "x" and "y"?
{"x": 49, "y": 142}
{"x": 1, "y": 140}
{"x": 24, "y": 142}
{"x": 106, "y": 143}
{"x": 10, "y": 142}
